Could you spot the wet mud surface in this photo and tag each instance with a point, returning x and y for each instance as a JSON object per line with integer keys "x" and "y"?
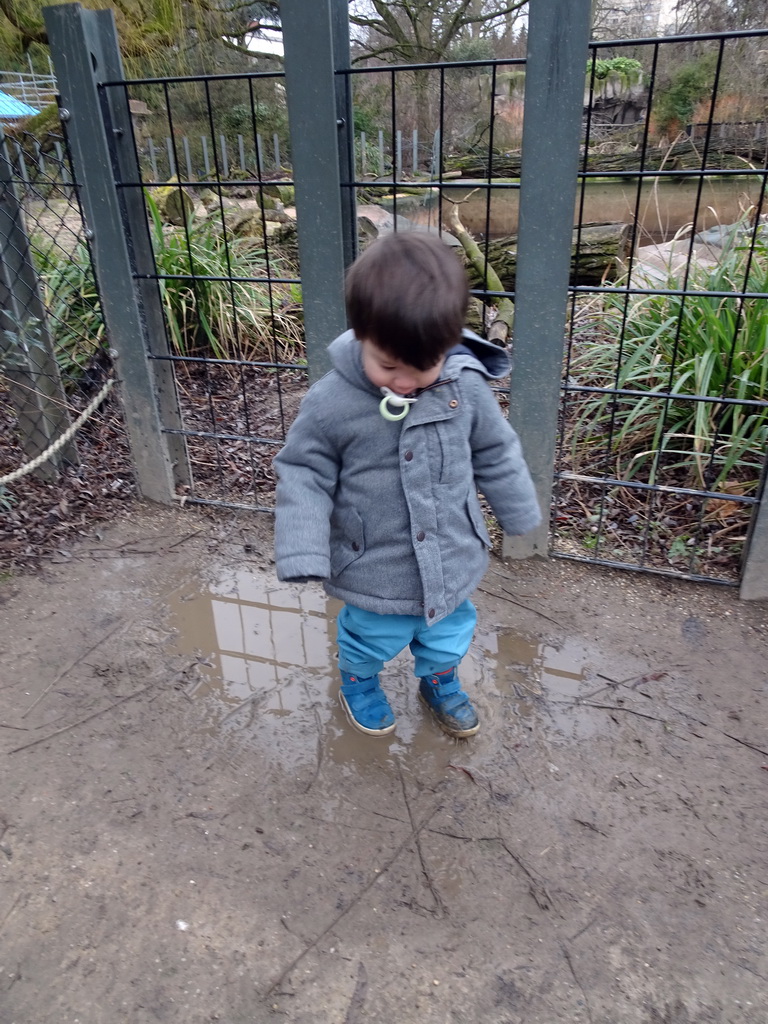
{"x": 190, "y": 830}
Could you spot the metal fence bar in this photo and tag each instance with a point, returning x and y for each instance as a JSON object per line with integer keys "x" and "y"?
{"x": 173, "y": 172}
{"x": 754, "y": 578}
{"x": 27, "y": 356}
{"x": 345, "y": 122}
{"x": 558, "y": 34}
{"x": 85, "y": 51}
{"x": 153, "y": 159}
{"x": 309, "y": 83}
{"x": 276, "y": 148}
{"x": 22, "y": 161}
{"x": 224, "y": 156}
{"x": 241, "y": 151}
{"x": 187, "y": 158}
{"x": 66, "y": 178}
{"x": 206, "y": 160}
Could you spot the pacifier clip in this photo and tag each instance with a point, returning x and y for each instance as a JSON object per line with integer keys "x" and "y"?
{"x": 397, "y": 400}
{"x": 404, "y": 401}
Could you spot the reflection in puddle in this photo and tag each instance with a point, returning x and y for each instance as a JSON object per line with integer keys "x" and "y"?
{"x": 543, "y": 677}
{"x": 268, "y": 651}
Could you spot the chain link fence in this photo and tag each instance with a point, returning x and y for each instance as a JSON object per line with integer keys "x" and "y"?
{"x": 54, "y": 358}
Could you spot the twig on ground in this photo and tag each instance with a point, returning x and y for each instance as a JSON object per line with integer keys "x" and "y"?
{"x": 568, "y": 960}
{"x": 613, "y": 707}
{"x": 537, "y": 889}
{"x": 369, "y": 885}
{"x": 82, "y": 721}
{"x": 591, "y": 827}
{"x": 519, "y": 604}
{"x": 72, "y": 664}
{"x": 10, "y": 911}
{"x": 439, "y": 905}
{"x": 254, "y": 701}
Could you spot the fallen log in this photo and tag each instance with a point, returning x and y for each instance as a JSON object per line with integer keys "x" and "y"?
{"x": 501, "y": 328}
{"x": 595, "y": 253}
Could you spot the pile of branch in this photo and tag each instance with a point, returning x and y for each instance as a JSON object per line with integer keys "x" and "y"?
{"x": 683, "y": 154}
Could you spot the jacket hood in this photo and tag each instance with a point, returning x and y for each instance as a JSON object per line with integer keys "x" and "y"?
{"x": 471, "y": 353}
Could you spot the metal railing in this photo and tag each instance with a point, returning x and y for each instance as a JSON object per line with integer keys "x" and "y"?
{"x": 665, "y": 410}
{"x": 35, "y": 90}
{"x": 224, "y": 258}
{"x": 53, "y": 333}
{"x": 657, "y": 465}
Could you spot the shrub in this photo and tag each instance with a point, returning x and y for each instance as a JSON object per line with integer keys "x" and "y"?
{"x": 228, "y": 319}
{"x": 680, "y": 345}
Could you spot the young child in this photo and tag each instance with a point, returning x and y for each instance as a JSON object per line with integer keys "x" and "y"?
{"x": 378, "y": 479}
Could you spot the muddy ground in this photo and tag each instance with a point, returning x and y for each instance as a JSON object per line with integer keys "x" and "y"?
{"x": 190, "y": 831}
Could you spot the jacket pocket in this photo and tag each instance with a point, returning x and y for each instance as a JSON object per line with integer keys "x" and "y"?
{"x": 477, "y": 518}
{"x": 347, "y": 539}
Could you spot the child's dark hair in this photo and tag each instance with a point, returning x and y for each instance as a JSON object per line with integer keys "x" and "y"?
{"x": 408, "y": 294}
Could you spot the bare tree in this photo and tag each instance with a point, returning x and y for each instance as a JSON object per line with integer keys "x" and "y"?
{"x": 424, "y": 31}
{"x": 721, "y": 15}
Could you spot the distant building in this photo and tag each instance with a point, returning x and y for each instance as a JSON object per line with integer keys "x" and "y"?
{"x": 12, "y": 110}
{"x": 628, "y": 19}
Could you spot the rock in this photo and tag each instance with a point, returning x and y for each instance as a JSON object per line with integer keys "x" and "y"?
{"x": 374, "y": 221}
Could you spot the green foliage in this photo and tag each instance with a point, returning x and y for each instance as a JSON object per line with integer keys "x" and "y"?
{"x": 227, "y": 319}
{"x": 692, "y": 345}
{"x": 269, "y": 119}
{"x": 471, "y": 48}
{"x": 691, "y": 83}
{"x": 72, "y": 301}
{"x": 366, "y": 121}
{"x": 625, "y": 66}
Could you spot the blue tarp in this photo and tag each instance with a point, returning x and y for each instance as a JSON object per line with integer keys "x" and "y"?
{"x": 11, "y": 109}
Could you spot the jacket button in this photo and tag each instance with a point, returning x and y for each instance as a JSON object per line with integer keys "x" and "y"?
{"x": 420, "y": 535}
{"x": 408, "y": 456}
{"x": 431, "y": 613}
{"x": 355, "y": 546}
{"x": 453, "y": 403}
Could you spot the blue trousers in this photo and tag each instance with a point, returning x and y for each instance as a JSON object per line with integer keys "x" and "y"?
{"x": 366, "y": 640}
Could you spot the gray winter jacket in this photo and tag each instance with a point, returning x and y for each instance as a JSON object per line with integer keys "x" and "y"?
{"x": 387, "y": 514}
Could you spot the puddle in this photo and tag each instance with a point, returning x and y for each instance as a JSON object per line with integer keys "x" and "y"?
{"x": 544, "y": 680}
{"x": 268, "y": 673}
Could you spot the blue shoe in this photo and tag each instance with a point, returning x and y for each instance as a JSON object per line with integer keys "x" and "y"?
{"x": 366, "y": 705}
{"x": 450, "y": 706}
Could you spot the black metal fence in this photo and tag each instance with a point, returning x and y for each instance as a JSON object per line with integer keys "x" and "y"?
{"x": 663, "y": 402}
{"x": 226, "y": 265}
{"x": 54, "y": 355}
{"x": 665, "y": 398}
{"x": 664, "y": 411}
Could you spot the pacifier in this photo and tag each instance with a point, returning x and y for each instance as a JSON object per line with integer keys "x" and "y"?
{"x": 397, "y": 400}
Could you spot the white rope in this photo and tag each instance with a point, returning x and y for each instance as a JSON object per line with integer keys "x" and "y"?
{"x": 59, "y": 443}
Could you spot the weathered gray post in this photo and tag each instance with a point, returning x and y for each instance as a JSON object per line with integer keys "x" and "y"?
{"x": 754, "y": 577}
{"x": 26, "y": 349}
{"x": 85, "y": 53}
{"x": 313, "y": 120}
{"x": 342, "y": 61}
{"x": 558, "y": 37}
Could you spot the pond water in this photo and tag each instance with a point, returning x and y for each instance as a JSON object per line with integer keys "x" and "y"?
{"x": 665, "y": 205}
